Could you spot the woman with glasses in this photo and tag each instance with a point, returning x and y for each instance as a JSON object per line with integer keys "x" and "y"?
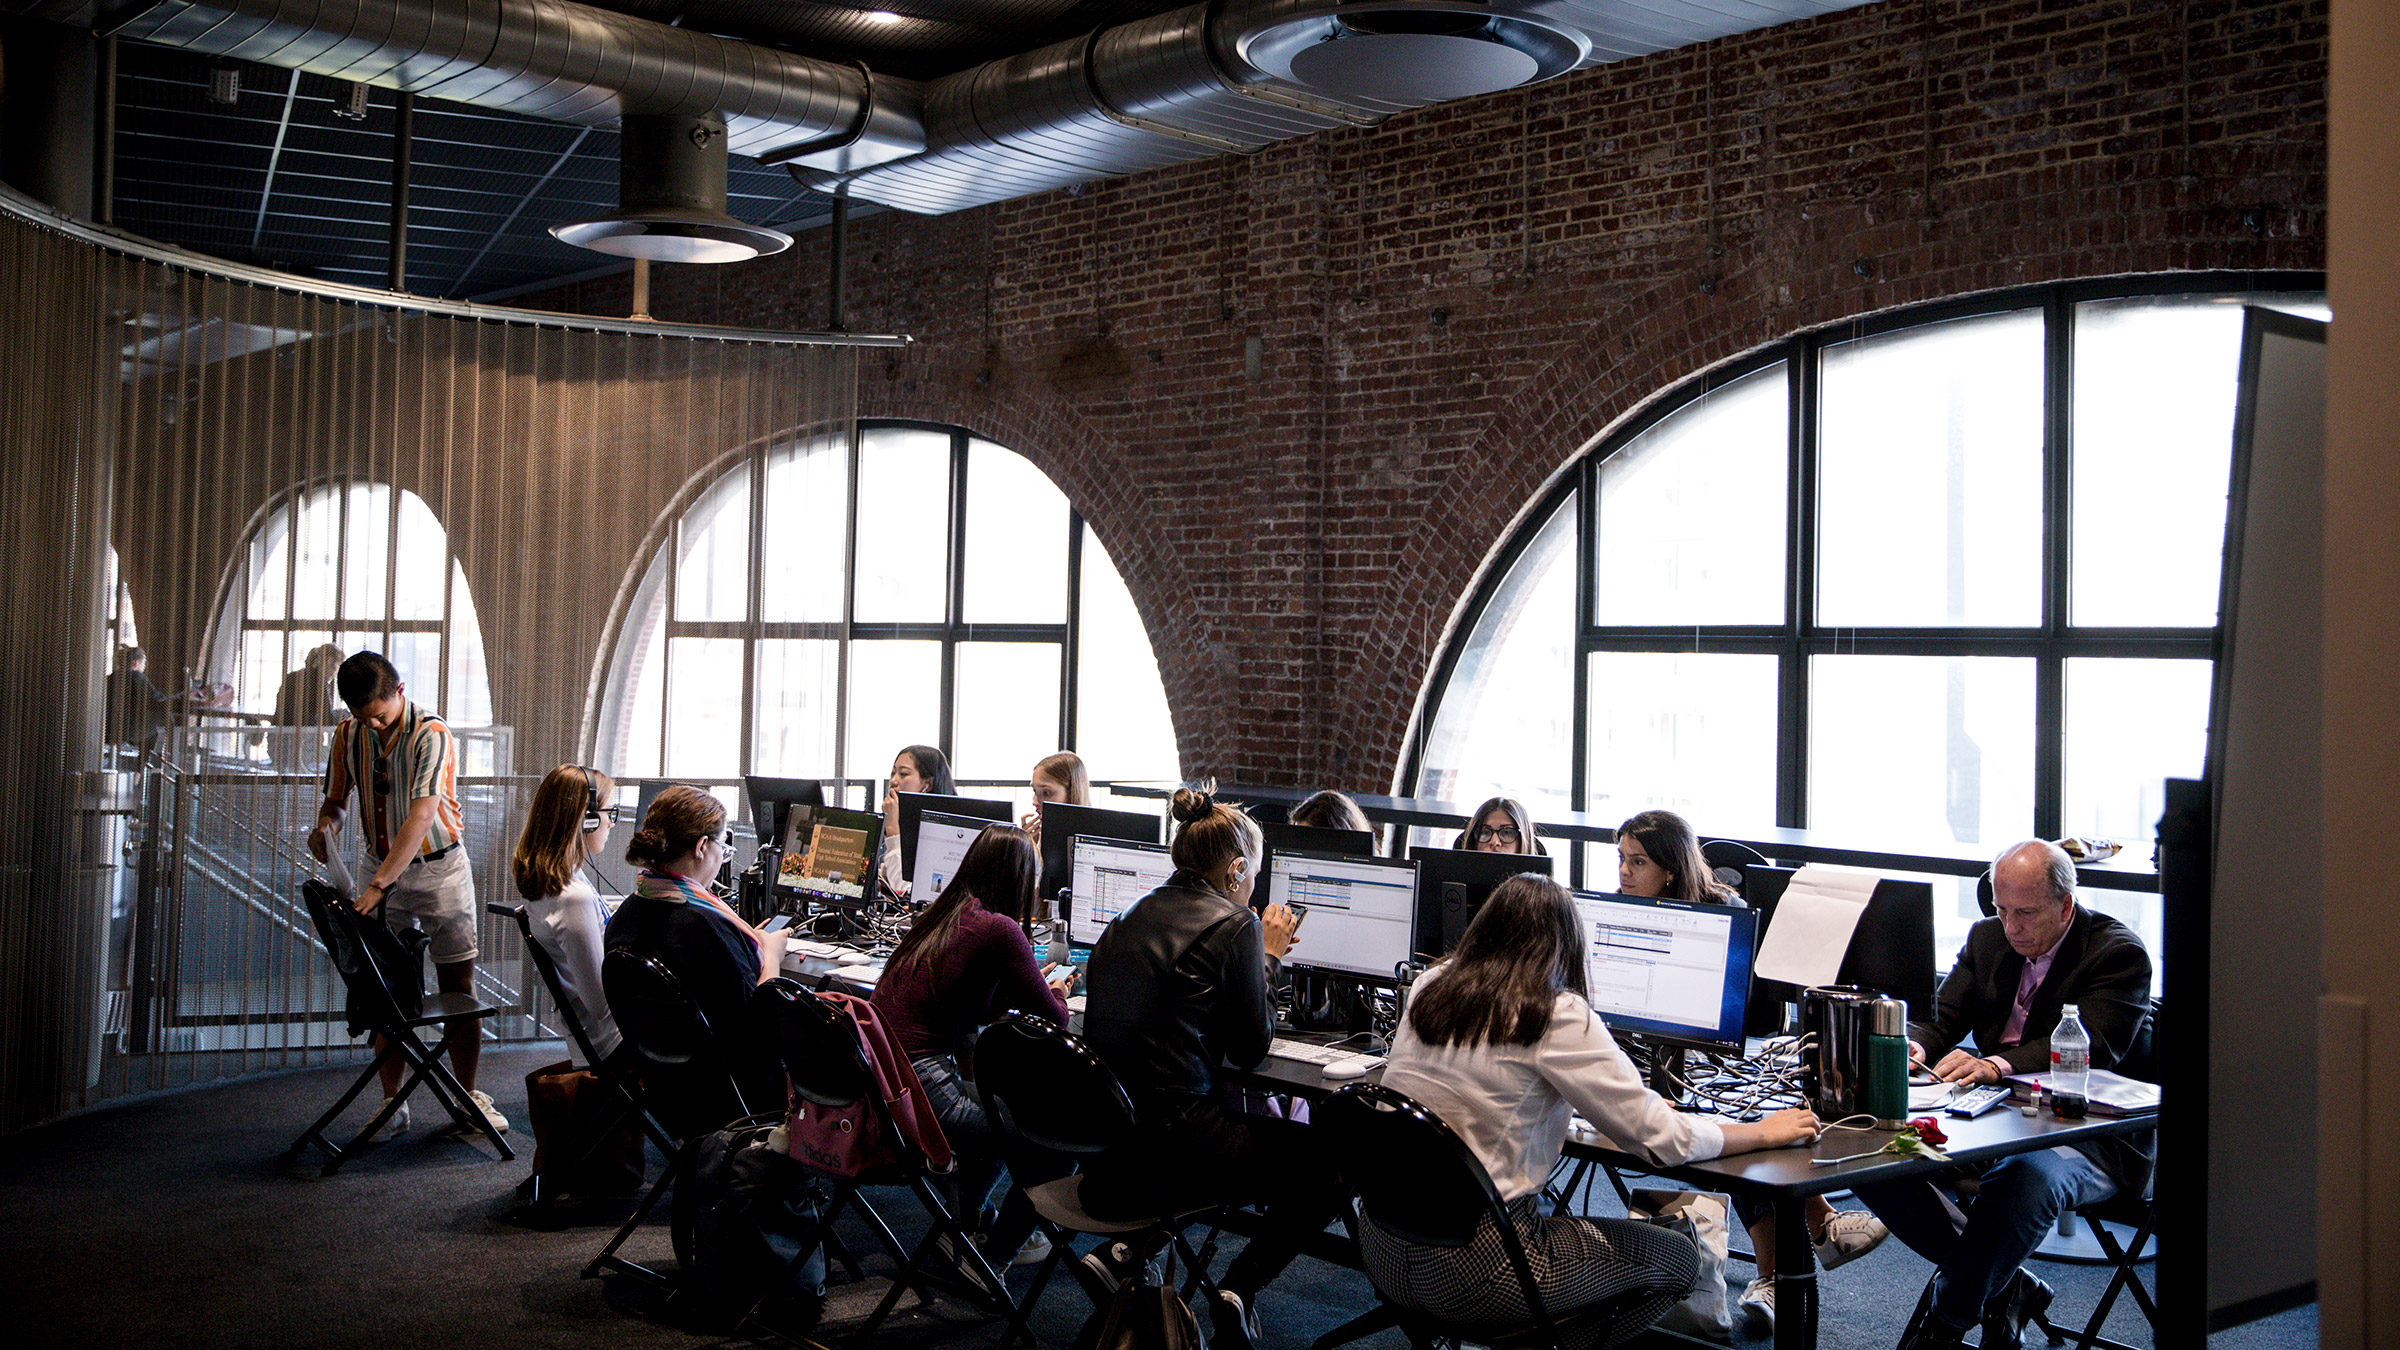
{"x": 672, "y": 915}
{"x": 1502, "y": 825}
{"x": 564, "y": 828}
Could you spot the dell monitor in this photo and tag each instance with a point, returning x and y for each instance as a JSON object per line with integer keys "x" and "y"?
{"x": 913, "y": 806}
{"x": 1674, "y": 971}
{"x": 1453, "y": 884}
{"x": 830, "y": 855}
{"x": 771, "y": 799}
{"x": 1063, "y": 823}
{"x": 1891, "y": 950}
{"x": 1285, "y": 837}
{"x": 1361, "y": 912}
{"x": 1105, "y": 878}
{"x": 942, "y": 844}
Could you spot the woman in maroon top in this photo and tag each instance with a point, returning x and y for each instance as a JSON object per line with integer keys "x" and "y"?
{"x": 965, "y": 961}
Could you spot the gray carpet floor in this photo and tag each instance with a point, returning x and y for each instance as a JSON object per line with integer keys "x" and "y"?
{"x": 180, "y": 1221}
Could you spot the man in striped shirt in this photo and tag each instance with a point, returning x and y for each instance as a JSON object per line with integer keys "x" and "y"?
{"x": 404, "y": 765}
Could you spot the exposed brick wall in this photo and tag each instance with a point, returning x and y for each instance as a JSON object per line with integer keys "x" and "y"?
{"x": 1303, "y": 396}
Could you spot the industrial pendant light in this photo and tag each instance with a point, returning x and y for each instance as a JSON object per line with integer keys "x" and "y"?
{"x": 671, "y": 198}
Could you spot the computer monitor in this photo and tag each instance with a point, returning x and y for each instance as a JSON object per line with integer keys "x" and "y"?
{"x": 1362, "y": 912}
{"x": 1453, "y": 883}
{"x": 1671, "y": 970}
{"x": 772, "y": 798}
{"x": 1105, "y": 877}
{"x": 1284, "y": 837}
{"x": 1063, "y": 823}
{"x": 942, "y": 843}
{"x": 647, "y": 790}
{"x": 1891, "y": 950}
{"x": 913, "y": 806}
{"x": 830, "y": 854}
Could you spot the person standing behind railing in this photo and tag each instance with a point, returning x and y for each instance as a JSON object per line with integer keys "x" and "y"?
{"x": 404, "y": 765}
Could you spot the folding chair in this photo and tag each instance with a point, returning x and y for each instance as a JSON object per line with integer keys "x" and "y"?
{"x": 827, "y": 1061}
{"x": 667, "y": 1029}
{"x": 622, "y": 1086}
{"x": 374, "y": 1001}
{"x": 1044, "y": 1086}
{"x": 2124, "y": 1259}
{"x": 1417, "y": 1180}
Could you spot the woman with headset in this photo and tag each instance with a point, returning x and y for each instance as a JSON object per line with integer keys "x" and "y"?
{"x": 565, "y": 827}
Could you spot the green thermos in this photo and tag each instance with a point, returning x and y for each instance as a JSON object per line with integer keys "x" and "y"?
{"x": 1887, "y": 1064}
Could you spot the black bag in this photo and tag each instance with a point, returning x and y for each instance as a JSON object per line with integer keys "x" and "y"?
{"x": 739, "y": 1219}
{"x": 1142, "y": 1316}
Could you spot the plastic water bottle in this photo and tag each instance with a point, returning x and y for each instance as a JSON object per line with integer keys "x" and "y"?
{"x": 2070, "y": 1066}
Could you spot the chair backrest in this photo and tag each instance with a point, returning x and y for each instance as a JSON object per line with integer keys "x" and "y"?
{"x": 666, "y": 1028}
{"x": 1047, "y": 1087}
{"x": 1414, "y": 1176}
{"x": 819, "y": 1043}
{"x": 1983, "y": 895}
{"x": 548, "y": 969}
{"x": 337, "y": 925}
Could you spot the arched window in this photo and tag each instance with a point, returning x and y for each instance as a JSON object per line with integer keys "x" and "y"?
{"x": 354, "y": 565}
{"x": 1947, "y": 575}
{"x": 975, "y": 610}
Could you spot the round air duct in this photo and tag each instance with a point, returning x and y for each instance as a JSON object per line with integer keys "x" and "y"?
{"x": 671, "y": 198}
{"x": 1412, "y": 51}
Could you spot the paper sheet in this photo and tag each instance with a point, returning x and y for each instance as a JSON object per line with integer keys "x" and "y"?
{"x": 338, "y": 872}
{"x": 1810, "y": 933}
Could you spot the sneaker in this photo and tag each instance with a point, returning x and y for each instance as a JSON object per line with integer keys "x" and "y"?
{"x": 1758, "y": 1307}
{"x": 1035, "y": 1251}
{"x": 1849, "y": 1235}
{"x": 1109, "y": 1265}
{"x": 1232, "y": 1322}
{"x": 396, "y": 1123}
{"x": 483, "y": 1103}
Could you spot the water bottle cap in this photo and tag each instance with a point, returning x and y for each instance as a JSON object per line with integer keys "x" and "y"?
{"x": 2066, "y": 1009}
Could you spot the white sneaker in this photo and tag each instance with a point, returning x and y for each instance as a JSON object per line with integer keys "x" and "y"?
{"x": 1849, "y": 1235}
{"x": 396, "y": 1123}
{"x": 483, "y": 1103}
{"x": 1035, "y": 1251}
{"x": 1758, "y": 1307}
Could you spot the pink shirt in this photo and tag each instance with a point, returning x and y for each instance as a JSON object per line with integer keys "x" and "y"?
{"x": 2036, "y": 970}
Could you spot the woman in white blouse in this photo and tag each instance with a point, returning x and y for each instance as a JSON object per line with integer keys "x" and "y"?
{"x": 1501, "y": 1042}
{"x": 567, "y": 824}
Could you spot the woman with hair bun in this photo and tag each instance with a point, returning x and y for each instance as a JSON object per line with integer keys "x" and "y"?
{"x": 1178, "y": 983}
{"x": 718, "y": 959}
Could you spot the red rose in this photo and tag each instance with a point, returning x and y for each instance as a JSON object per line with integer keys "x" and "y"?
{"x": 1929, "y": 1130}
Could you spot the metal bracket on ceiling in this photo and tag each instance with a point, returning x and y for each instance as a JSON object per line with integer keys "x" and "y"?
{"x": 849, "y": 136}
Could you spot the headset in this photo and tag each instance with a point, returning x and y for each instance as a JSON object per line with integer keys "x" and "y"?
{"x": 592, "y": 819}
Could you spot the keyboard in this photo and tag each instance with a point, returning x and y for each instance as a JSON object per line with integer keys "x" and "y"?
{"x": 1308, "y": 1052}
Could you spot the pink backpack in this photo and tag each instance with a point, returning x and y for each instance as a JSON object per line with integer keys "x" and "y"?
{"x": 852, "y": 1140}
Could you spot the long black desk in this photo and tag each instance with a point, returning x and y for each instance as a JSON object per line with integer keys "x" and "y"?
{"x": 2123, "y": 873}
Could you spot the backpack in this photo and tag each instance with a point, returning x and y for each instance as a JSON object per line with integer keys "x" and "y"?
{"x": 739, "y": 1218}
{"x": 1142, "y": 1316}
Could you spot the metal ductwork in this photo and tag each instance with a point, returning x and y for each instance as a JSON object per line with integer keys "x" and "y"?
{"x": 671, "y": 198}
{"x": 556, "y": 60}
{"x": 1228, "y": 76}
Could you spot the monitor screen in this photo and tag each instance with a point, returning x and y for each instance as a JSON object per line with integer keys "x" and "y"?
{"x": 830, "y": 854}
{"x": 1670, "y": 969}
{"x": 942, "y": 841}
{"x": 1063, "y": 823}
{"x": 1362, "y": 912}
{"x": 1107, "y": 876}
{"x": 914, "y": 805}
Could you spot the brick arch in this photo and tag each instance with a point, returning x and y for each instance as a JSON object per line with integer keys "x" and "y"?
{"x": 1559, "y": 411}
{"x": 1082, "y": 462}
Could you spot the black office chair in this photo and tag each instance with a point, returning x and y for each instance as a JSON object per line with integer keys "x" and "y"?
{"x": 1418, "y": 1181}
{"x": 1983, "y": 895}
{"x": 379, "y": 1006}
{"x": 1730, "y": 861}
{"x": 826, "y": 1058}
{"x": 624, "y": 1089}
{"x": 671, "y": 1035}
{"x": 1044, "y": 1086}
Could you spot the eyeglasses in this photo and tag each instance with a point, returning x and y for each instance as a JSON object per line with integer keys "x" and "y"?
{"x": 1506, "y": 834}
{"x": 614, "y": 815}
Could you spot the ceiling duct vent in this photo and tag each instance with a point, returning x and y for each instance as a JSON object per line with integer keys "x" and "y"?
{"x": 1412, "y": 51}
{"x": 671, "y": 198}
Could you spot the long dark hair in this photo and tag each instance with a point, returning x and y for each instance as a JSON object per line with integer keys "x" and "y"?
{"x": 1517, "y": 815}
{"x": 1669, "y": 841}
{"x": 999, "y": 872}
{"x": 932, "y": 763}
{"x": 1501, "y": 985}
{"x": 1330, "y": 810}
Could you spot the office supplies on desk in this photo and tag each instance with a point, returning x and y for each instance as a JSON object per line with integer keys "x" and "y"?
{"x": 2108, "y": 1094}
{"x": 1309, "y": 1052}
{"x": 1975, "y": 1101}
{"x": 1350, "y": 1068}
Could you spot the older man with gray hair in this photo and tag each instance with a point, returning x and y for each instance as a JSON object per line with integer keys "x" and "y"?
{"x": 2040, "y": 952}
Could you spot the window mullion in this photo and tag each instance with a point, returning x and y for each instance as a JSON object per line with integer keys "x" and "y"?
{"x": 1800, "y": 591}
{"x": 1071, "y": 649}
{"x": 955, "y": 595}
{"x": 2058, "y": 449}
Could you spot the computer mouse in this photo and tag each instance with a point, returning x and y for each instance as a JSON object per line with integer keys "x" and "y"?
{"x": 1347, "y": 1068}
{"x": 852, "y": 959}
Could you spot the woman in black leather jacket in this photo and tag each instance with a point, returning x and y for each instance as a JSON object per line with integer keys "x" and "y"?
{"x": 1179, "y": 983}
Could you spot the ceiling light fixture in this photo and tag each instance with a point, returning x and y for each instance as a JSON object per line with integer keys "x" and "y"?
{"x": 671, "y": 198}
{"x": 884, "y": 16}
